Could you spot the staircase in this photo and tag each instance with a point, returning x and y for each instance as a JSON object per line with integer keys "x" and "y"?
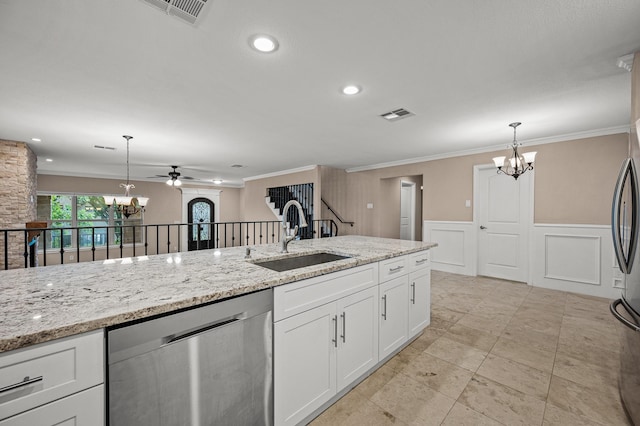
{"x": 303, "y": 193}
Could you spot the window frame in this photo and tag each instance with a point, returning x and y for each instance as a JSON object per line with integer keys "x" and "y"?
{"x": 112, "y": 222}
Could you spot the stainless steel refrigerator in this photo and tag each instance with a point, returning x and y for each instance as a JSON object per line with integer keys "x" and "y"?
{"x": 625, "y": 225}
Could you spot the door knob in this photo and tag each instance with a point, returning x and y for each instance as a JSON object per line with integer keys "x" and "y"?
{"x": 483, "y": 227}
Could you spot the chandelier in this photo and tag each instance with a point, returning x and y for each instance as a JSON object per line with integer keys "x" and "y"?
{"x": 518, "y": 164}
{"x": 126, "y": 205}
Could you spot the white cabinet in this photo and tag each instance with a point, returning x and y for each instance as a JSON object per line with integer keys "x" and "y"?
{"x": 357, "y": 335}
{"x": 82, "y": 408}
{"x": 331, "y": 330}
{"x": 393, "y": 315}
{"x": 419, "y": 301}
{"x": 405, "y": 299}
{"x": 304, "y": 363}
{"x": 319, "y": 351}
{"x": 43, "y": 379}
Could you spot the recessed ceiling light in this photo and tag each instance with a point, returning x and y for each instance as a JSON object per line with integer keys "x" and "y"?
{"x": 264, "y": 43}
{"x": 237, "y": 166}
{"x": 217, "y": 181}
{"x": 36, "y": 139}
{"x": 351, "y": 90}
{"x": 48, "y": 160}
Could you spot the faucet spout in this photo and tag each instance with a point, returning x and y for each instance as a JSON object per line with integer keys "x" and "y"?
{"x": 287, "y": 236}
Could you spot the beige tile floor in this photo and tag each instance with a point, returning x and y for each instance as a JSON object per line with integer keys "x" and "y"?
{"x": 496, "y": 353}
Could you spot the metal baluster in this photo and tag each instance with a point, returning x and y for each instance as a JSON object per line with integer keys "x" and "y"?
{"x": 26, "y": 249}
{"x": 61, "y": 247}
{"x": 93, "y": 243}
{"x": 168, "y": 238}
{"x": 146, "y": 240}
{"x": 44, "y": 248}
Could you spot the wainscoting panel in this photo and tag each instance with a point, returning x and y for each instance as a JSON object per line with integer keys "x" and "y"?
{"x": 574, "y": 258}
{"x": 456, "y": 242}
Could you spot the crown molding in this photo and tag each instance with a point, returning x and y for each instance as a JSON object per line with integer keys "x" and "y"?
{"x": 281, "y": 173}
{"x": 539, "y": 141}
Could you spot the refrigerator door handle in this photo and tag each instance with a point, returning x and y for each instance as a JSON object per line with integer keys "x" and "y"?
{"x": 625, "y": 261}
{"x": 613, "y": 308}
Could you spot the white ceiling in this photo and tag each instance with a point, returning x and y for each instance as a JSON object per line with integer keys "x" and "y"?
{"x": 79, "y": 73}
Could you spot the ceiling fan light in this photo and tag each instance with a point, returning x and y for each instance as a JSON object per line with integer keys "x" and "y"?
{"x": 177, "y": 182}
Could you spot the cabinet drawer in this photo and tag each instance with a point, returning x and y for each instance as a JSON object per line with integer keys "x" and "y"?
{"x": 84, "y": 408}
{"x": 419, "y": 260}
{"x": 294, "y": 298}
{"x": 394, "y": 267}
{"x": 50, "y": 371}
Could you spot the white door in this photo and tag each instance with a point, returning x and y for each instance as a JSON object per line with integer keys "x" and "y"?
{"x": 407, "y": 210}
{"x": 504, "y": 217}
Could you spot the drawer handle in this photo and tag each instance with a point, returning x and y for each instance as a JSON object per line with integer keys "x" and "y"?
{"x": 396, "y": 269}
{"x": 421, "y": 261}
{"x": 25, "y": 382}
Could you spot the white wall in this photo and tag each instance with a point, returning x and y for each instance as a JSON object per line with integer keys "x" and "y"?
{"x": 575, "y": 258}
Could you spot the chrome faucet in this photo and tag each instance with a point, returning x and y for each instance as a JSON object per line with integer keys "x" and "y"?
{"x": 286, "y": 236}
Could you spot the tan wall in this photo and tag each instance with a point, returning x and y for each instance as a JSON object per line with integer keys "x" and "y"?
{"x": 334, "y": 192}
{"x": 18, "y": 182}
{"x": 230, "y": 201}
{"x": 573, "y": 184}
{"x": 574, "y": 180}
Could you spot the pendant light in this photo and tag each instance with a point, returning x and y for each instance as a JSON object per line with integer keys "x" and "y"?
{"x": 126, "y": 205}
{"x": 518, "y": 163}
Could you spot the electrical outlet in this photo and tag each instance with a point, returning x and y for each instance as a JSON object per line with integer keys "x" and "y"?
{"x": 369, "y": 205}
{"x": 70, "y": 257}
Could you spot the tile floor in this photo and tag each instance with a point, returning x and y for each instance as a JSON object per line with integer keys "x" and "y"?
{"x": 496, "y": 353}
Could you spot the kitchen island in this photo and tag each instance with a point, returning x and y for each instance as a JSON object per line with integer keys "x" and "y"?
{"x": 54, "y": 318}
{"x": 46, "y": 303}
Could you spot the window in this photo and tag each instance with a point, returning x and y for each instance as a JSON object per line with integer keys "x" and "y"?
{"x": 86, "y": 221}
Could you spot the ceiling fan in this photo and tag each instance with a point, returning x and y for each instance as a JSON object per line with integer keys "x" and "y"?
{"x": 174, "y": 177}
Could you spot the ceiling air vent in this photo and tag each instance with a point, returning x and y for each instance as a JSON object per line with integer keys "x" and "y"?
{"x": 397, "y": 114}
{"x": 187, "y": 10}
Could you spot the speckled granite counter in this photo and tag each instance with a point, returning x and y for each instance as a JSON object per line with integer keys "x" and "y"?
{"x": 41, "y": 304}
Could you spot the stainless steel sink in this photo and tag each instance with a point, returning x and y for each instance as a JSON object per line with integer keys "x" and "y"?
{"x": 295, "y": 262}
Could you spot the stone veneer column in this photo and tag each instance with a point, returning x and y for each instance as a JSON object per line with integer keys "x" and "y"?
{"x": 18, "y": 184}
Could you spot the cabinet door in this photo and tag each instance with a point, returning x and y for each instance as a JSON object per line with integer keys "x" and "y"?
{"x": 304, "y": 363}
{"x": 419, "y": 301}
{"x": 357, "y": 335}
{"x": 83, "y": 408}
{"x": 393, "y": 317}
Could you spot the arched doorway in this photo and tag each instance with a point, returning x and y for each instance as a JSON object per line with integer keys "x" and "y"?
{"x": 200, "y": 212}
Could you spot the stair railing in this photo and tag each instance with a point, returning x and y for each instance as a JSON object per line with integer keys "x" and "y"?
{"x": 336, "y": 213}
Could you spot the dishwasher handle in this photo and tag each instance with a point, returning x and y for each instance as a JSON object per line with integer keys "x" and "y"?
{"x": 173, "y": 338}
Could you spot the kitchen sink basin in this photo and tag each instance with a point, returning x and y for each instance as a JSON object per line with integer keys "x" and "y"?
{"x": 295, "y": 262}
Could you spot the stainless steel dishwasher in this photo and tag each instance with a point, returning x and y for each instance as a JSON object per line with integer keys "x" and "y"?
{"x": 210, "y": 365}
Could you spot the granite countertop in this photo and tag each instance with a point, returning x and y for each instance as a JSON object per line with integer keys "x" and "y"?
{"x": 46, "y": 303}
